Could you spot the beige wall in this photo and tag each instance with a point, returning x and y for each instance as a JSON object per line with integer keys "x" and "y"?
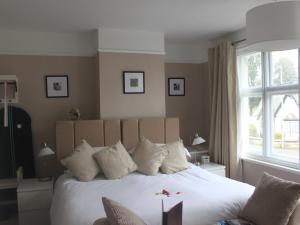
{"x": 252, "y": 171}
{"x": 96, "y": 87}
{"x": 193, "y": 108}
{"x": 31, "y": 71}
{"x": 115, "y": 104}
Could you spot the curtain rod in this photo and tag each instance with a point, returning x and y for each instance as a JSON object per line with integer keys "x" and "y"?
{"x": 238, "y": 41}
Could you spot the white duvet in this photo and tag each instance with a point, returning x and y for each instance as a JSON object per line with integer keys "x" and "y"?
{"x": 206, "y": 197}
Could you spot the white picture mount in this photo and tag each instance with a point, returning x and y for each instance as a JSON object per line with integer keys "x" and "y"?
{"x": 8, "y": 92}
{"x": 9, "y": 81}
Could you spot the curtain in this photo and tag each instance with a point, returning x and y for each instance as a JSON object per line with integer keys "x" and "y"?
{"x": 223, "y": 123}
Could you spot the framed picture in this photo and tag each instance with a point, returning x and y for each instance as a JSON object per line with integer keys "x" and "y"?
{"x": 57, "y": 86}
{"x": 133, "y": 82}
{"x": 176, "y": 86}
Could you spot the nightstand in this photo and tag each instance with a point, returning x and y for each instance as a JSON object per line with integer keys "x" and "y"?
{"x": 34, "y": 201}
{"x": 8, "y": 201}
{"x": 197, "y": 151}
{"x": 214, "y": 168}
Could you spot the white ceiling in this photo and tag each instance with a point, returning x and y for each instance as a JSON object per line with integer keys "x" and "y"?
{"x": 182, "y": 20}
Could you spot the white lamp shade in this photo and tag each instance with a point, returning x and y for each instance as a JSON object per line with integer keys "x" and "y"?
{"x": 274, "y": 26}
{"x": 46, "y": 151}
{"x": 198, "y": 140}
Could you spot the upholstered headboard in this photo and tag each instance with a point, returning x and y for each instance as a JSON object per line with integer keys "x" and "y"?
{"x": 107, "y": 132}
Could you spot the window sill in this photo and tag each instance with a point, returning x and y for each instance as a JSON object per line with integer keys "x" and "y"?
{"x": 272, "y": 165}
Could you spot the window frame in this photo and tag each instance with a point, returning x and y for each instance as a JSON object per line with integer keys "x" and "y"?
{"x": 266, "y": 91}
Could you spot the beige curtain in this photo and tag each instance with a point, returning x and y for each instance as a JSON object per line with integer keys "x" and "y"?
{"x": 223, "y": 124}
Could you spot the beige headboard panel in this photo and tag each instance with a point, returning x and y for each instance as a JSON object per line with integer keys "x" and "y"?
{"x": 107, "y": 132}
{"x": 130, "y": 132}
{"x": 112, "y": 132}
{"x": 153, "y": 129}
{"x": 90, "y": 130}
{"x": 171, "y": 129}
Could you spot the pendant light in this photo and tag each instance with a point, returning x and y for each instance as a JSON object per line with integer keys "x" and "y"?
{"x": 274, "y": 26}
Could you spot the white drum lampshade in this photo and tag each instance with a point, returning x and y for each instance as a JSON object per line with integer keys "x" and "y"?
{"x": 274, "y": 26}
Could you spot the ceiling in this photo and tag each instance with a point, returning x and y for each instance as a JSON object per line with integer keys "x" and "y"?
{"x": 182, "y": 20}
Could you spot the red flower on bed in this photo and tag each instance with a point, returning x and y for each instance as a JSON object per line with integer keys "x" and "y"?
{"x": 165, "y": 192}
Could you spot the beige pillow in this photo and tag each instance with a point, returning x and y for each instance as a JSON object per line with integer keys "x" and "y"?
{"x": 149, "y": 157}
{"x": 272, "y": 202}
{"x": 115, "y": 161}
{"x": 119, "y": 215}
{"x": 101, "y": 221}
{"x": 176, "y": 160}
{"x": 187, "y": 153}
{"x": 81, "y": 162}
{"x": 295, "y": 217}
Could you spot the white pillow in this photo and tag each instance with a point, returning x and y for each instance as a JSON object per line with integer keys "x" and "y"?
{"x": 176, "y": 160}
{"x": 81, "y": 162}
{"x": 98, "y": 149}
{"x": 149, "y": 157}
{"x": 115, "y": 161}
{"x": 187, "y": 153}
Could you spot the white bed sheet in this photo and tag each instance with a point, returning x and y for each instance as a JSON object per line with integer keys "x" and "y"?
{"x": 206, "y": 197}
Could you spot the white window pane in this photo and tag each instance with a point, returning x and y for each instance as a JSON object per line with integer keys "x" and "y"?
{"x": 285, "y": 127}
{"x": 252, "y": 119}
{"x": 284, "y": 67}
{"x": 250, "y": 70}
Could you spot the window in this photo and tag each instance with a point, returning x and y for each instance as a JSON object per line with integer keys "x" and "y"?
{"x": 269, "y": 106}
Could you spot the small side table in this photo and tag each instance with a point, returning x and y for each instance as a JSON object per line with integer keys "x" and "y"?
{"x": 8, "y": 200}
{"x": 215, "y": 168}
{"x": 34, "y": 201}
{"x": 197, "y": 151}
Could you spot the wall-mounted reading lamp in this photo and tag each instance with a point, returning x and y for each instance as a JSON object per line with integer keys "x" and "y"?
{"x": 8, "y": 93}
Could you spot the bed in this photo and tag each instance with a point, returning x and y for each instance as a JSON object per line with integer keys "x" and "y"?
{"x": 206, "y": 197}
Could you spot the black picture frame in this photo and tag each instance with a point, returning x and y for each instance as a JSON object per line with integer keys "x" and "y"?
{"x": 137, "y": 75}
{"x": 171, "y": 91}
{"x": 51, "y": 93}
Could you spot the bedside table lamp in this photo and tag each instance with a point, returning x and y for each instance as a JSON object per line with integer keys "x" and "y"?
{"x": 198, "y": 140}
{"x": 45, "y": 152}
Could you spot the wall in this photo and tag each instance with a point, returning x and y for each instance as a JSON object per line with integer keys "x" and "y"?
{"x": 96, "y": 84}
{"x": 234, "y": 36}
{"x": 193, "y": 108}
{"x": 31, "y": 71}
{"x": 130, "y": 50}
{"x": 252, "y": 172}
{"x": 191, "y": 52}
{"x": 115, "y": 104}
{"x": 48, "y": 43}
{"x": 130, "y": 41}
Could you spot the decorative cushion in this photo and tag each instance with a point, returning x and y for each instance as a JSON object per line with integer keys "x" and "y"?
{"x": 81, "y": 162}
{"x": 101, "y": 221}
{"x": 238, "y": 222}
{"x": 272, "y": 202}
{"x": 295, "y": 217}
{"x": 149, "y": 157}
{"x": 120, "y": 215}
{"x": 176, "y": 160}
{"x": 115, "y": 161}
